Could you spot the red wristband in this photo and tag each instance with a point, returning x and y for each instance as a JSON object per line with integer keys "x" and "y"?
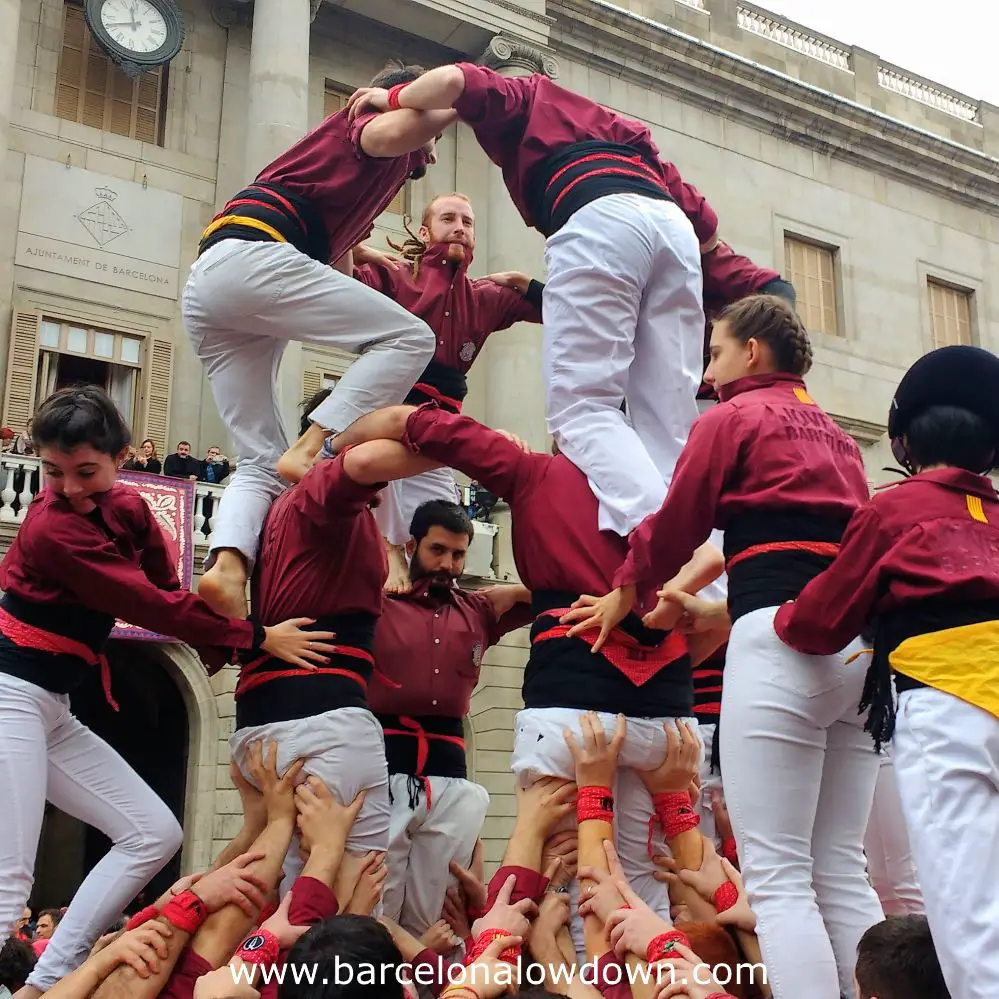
{"x": 142, "y": 917}
{"x": 675, "y": 813}
{"x": 726, "y": 896}
{"x": 594, "y": 802}
{"x": 185, "y": 911}
{"x": 663, "y": 945}
{"x": 482, "y": 942}
{"x": 730, "y": 851}
{"x": 393, "y": 96}
{"x": 720, "y": 995}
{"x": 258, "y": 948}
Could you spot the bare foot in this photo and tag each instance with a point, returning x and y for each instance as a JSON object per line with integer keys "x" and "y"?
{"x": 398, "y": 571}
{"x": 223, "y": 586}
{"x": 301, "y": 456}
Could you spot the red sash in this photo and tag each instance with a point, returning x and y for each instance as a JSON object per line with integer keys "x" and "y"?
{"x": 813, "y": 547}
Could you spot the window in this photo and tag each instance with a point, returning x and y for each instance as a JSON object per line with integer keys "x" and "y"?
{"x": 93, "y": 91}
{"x": 70, "y": 353}
{"x": 950, "y": 314}
{"x": 336, "y": 100}
{"x": 811, "y": 268}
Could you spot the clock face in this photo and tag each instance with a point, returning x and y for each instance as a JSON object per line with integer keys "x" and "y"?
{"x": 136, "y": 25}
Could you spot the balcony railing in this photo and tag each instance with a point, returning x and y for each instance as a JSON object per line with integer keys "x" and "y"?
{"x": 20, "y": 480}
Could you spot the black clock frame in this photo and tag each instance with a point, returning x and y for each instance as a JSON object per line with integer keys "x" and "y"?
{"x": 135, "y": 63}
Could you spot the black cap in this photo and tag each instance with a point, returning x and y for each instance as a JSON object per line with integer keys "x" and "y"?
{"x": 959, "y": 376}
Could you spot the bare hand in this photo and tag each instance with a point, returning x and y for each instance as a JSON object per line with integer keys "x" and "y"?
{"x": 141, "y": 949}
{"x": 367, "y": 255}
{"x": 455, "y": 913}
{"x": 277, "y": 790}
{"x": 489, "y": 984}
{"x": 322, "y": 820}
{"x": 511, "y": 279}
{"x": 279, "y": 925}
{"x": 234, "y": 884}
{"x": 596, "y": 759}
{"x": 254, "y": 808}
{"x": 665, "y": 616}
{"x": 688, "y": 971}
{"x": 439, "y": 938}
{"x": 544, "y": 804}
{"x": 553, "y": 914}
{"x": 599, "y": 895}
{"x": 370, "y": 886}
{"x": 514, "y": 439}
{"x": 697, "y": 614}
{"x": 631, "y": 930}
{"x": 367, "y": 99}
{"x": 563, "y": 847}
{"x": 604, "y": 613}
{"x": 709, "y": 877}
{"x": 740, "y": 915}
{"x": 472, "y": 887}
{"x": 504, "y": 916}
{"x": 220, "y": 984}
{"x": 678, "y": 768}
{"x": 288, "y": 641}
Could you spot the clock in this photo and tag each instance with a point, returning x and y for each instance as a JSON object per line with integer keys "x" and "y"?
{"x": 137, "y": 34}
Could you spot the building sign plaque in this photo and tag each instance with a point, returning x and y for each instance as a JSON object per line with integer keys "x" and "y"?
{"x": 98, "y": 228}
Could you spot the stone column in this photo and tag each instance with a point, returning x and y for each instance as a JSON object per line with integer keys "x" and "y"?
{"x": 10, "y": 26}
{"x": 277, "y": 117}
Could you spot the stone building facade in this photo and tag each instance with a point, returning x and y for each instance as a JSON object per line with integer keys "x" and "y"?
{"x": 875, "y": 191}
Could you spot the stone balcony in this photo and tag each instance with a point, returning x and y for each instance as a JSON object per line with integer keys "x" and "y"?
{"x": 20, "y": 480}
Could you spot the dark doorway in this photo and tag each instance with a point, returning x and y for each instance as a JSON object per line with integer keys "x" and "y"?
{"x": 151, "y": 733}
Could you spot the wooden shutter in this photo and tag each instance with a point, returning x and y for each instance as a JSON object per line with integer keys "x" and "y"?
{"x": 159, "y": 375}
{"x": 92, "y": 90}
{"x": 950, "y": 314}
{"x": 22, "y": 368}
{"x": 312, "y": 382}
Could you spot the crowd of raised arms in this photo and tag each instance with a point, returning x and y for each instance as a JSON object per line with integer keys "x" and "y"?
{"x": 758, "y": 754}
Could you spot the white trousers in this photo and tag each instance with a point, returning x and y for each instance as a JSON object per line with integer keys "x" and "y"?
{"x": 242, "y": 304}
{"x": 47, "y": 754}
{"x": 946, "y": 754}
{"x": 345, "y": 749}
{"x": 424, "y": 841}
{"x": 401, "y": 498}
{"x": 889, "y": 854}
{"x": 539, "y": 750}
{"x": 623, "y": 320}
{"x": 799, "y": 782}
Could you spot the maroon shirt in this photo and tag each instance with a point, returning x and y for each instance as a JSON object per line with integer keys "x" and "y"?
{"x": 431, "y": 644}
{"x": 321, "y": 552}
{"x": 115, "y": 562}
{"x": 728, "y": 277}
{"x": 557, "y": 544}
{"x": 915, "y": 541}
{"x": 766, "y": 447}
{"x": 521, "y": 121}
{"x": 462, "y": 311}
{"x": 346, "y": 186}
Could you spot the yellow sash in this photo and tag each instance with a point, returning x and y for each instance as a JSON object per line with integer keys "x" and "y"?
{"x": 243, "y": 220}
{"x": 961, "y": 661}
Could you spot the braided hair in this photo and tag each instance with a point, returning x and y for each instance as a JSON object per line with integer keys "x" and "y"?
{"x": 772, "y": 320}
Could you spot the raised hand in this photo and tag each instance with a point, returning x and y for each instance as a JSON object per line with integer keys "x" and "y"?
{"x": 234, "y": 884}
{"x": 141, "y": 949}
{"x": 440, "y": 938}
{"x": 277, "y": 790}
{"x": 370, "y": 886}
{"x": 515, "y": 918}
{"x": 322, "y": 820}
{"x": 278, "y": 924}
{"x": 681, "y": 763}
{"x": 596, "y": 758}
{"x": 367, "y": 99}
{"x": 604, "y": 613}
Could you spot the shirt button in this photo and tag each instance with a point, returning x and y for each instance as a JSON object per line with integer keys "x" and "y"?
{"x": 434, "y": 703}
{"x": 446, "y": 314}
{"x": 436, "y": 670}
{"x": 437, "y": 641}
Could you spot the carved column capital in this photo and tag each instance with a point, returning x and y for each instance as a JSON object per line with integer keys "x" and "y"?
{"x": 504, "y": 53}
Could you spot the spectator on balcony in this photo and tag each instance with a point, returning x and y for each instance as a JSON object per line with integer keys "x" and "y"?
{"x": 183, "y": 465}
{"x": 216, "y": 467}
{"x": 144, "y": 460}
{"x": 22, "y": 443}
{"x": 6, "y": 438}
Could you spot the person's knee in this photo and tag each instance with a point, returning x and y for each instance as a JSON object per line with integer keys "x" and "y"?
{"x": 159, "y": 837}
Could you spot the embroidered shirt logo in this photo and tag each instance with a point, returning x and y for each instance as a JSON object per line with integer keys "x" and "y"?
{"x": 477, "y": 655}
{"x": 467, "y": 351}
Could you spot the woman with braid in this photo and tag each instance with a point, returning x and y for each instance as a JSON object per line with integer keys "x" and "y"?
{"x": 769, "y": 468}
{"x": 432, "y": 283}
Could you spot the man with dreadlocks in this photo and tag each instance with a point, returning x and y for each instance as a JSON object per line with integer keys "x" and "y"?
{"x": 432, "y": 283}
{"x": 921, "y": 561}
